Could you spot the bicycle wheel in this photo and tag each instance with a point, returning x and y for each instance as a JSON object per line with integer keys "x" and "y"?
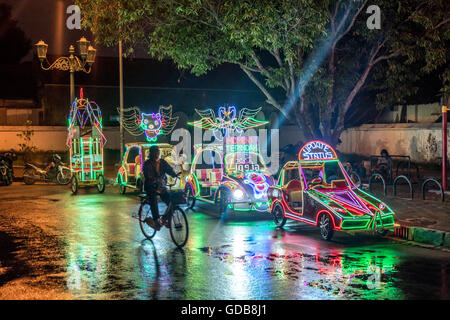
{"x": 179, "y": 227}
{"x": 144, "y": 213}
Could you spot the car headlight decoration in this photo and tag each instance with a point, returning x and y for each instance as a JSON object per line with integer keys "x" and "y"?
{"x": 276, "y": 193}
{"x": 238, "y": 194}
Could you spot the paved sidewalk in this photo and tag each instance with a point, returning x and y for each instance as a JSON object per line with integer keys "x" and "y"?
{"x": 425, "y": 221}
{"x": 421, "y": 213}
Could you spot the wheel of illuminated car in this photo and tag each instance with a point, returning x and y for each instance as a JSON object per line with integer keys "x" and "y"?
{"x": 278, "y": 215}
{"x": 101, "y": 183}
{"x": 190, "y": 199}
{"x": 326, "y": 226}
{"x": 74, "y": 184}
{"x": 122, "y": 187}
{"x": 222, "y": 201}
{"x": 140, "y": 186}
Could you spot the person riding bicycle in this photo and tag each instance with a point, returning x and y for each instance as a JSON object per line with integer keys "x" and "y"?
{"x": 155, "y": 170}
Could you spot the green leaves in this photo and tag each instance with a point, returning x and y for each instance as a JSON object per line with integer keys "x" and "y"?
{"x": 271, "y": 40}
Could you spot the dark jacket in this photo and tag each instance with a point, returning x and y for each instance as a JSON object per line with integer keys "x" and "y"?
{"x": 153, "y": 180}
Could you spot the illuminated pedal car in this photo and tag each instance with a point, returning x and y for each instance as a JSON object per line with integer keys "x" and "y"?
{"x": 130, "y": 174}
{"x": 237, "y": 180}
{"x": 318, "y": 191}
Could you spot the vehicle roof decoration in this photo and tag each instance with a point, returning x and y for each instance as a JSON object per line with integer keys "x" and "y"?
{"x": 317, "y": 151}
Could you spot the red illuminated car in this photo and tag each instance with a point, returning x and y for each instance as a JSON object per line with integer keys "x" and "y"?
{"x": 317, "y": 190}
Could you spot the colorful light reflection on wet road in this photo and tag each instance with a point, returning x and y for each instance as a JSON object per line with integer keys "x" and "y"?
{"x": 58, "y": 246}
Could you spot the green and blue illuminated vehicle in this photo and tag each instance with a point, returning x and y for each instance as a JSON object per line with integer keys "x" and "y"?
{"x": 317, "y": 190}
{"x": 85, "y": 140}
{"x": 231, "y": 175}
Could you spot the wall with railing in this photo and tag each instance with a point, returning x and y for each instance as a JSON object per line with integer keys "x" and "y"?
{"x": 421, "y": 141}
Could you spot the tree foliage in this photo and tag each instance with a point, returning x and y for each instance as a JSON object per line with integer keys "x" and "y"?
{"x": 318, "y": 54}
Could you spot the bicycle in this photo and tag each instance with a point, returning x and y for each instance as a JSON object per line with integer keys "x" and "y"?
{"x": 178, "y": 223}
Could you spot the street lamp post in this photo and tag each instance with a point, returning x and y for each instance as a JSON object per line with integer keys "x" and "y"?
{"x": 71, "y": 63}
{"x": 444, "y": 147}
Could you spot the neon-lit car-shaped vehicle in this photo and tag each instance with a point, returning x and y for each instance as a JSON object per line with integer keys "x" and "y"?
{"x": 317, "y": 190}
{"x": 130, "y": 174}
{"x": 235, "y": 180}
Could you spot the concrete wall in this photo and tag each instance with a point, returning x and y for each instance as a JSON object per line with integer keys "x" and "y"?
{"x": 48, "y": 138}
{"x": 414, "y": 113}
{"x": 421, "y": 141}
{"x": 54, "y": 137}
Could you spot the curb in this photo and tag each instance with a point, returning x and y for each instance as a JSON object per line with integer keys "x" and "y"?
{"x": 418, "y": 244}
{"x": 419, "y": 235}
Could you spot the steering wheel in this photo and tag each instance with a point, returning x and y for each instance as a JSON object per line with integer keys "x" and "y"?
{"x": 316, "y": 181}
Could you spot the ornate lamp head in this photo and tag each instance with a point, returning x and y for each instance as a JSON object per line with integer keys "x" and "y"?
{"x": 41, "y": 48}
{"x": 83, "y": 46}
{"x": 91, "y": 55}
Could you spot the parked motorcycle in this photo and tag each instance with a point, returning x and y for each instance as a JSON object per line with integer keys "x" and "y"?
{"x": 56, "y": 170}
{"x": 5, "y": 173}
{"x": 6, "y": 167}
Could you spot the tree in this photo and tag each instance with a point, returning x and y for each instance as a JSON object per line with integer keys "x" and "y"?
{"x": 309, "y": 58}
{"x": 15, "y": 45}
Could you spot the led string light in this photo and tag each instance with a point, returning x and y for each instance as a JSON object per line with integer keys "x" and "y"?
{"x": 83, "y": 114}
{"x": 152, "y": 124}
{"x": 227, "y": 122}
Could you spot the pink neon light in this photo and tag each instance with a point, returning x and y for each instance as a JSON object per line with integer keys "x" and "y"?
{"x": 334, "y": 155}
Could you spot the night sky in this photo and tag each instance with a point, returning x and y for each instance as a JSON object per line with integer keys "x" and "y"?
{"x": 46, "y": 20}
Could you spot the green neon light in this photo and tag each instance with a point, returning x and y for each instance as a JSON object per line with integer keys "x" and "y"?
{"x": 90, "y": 157}
{"x": 197, "y": 184}
{"x": 243, "y": 209}
{"x": 366, "y": 222}
{"x": 279, "y": 184}
{"x": 376, "y": 206}
{"x": 82, "y": 159}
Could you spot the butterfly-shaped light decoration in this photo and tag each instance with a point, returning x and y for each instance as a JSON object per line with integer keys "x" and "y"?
{"x": 152, "y": 124}
{"x": 227, "y": 121}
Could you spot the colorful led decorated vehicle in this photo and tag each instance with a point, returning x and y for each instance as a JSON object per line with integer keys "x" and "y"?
{"x": 231, "y": 175}
{"x": 317, "y": 190}
{"x": 130, "y": 174}
{"x": 85, "y": 140}
{"x": 153, "y": 124}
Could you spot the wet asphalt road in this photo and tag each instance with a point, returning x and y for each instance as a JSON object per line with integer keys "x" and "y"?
{"x": 57, "y": 246}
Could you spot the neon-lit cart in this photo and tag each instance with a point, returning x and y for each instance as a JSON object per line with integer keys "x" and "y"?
{"x": 85, "y": 141}
{"x": 130, "y": 174}
{"x": 235, "y": 179}
{"x": 230, "y": 173}
{"x": 153, "y": 124}
{"x": 317, "y": 190}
